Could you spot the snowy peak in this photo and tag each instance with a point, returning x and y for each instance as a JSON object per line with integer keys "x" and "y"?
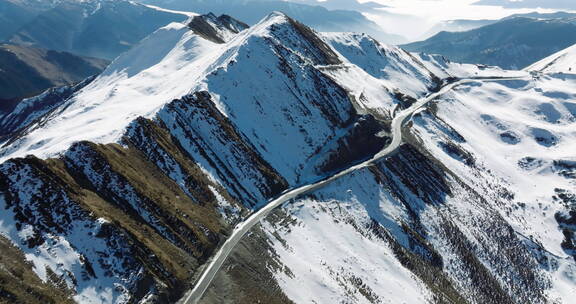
{"x": 216, "y": 29}
{"x": 561, "y": 62}
{"x": 279, "y": 30}
{"x": 300, "y": 38}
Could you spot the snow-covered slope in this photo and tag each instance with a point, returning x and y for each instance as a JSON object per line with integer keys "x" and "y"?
{"x": 479, "y": 206}
{"x": 332, "y": 249}
{"x": 128, "y": 88}
{"x": 168, "y": 149}
{"x": 561, "y": 62}
{"x": 519, "y": 134}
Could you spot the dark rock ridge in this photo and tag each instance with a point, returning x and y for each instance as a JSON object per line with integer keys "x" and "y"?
{"x": 210, "y": 27}
{"x": 151, "y": 227}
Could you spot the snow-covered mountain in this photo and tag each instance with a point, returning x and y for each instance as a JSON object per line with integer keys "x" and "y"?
{"x": 120, "y": 189}
{"x": 178, "y": 60}
{"x": 478, "y": 206}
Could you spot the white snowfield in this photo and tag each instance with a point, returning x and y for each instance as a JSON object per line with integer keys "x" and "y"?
{"x": 524, "y": 134}
{"x": 563, "y": 61}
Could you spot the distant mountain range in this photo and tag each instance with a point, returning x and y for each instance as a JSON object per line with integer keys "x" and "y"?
{"x": 16, "y": 13}
{"x": 97, "y": 28}
{"x": 12, "y": 17}
{"x": 26, "y": 71}
{"x": 458, "y": 25}
{"x": 511, "y": 43}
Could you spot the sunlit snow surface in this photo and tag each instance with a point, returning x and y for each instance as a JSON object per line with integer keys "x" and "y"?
{"x": 561, "y": 62}
{"x": 133, "y": 85}
{"x": 331, "y": 261}
{"x": 518, "y": 130}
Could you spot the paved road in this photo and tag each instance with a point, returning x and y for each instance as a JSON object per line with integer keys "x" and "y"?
{"x": 210, "y": 271}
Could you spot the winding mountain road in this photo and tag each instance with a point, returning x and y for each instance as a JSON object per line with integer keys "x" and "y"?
{"x": 216, "y": 262}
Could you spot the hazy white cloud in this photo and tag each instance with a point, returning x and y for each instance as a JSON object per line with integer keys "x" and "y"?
{"x": 412, "y": 18}
{"x": 449, "y": 9}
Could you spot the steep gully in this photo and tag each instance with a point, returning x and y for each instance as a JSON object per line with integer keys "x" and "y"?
{"x": 216, "y": 262}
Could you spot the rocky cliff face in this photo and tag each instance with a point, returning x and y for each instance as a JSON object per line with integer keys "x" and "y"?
{"x": 134, "y": 179}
